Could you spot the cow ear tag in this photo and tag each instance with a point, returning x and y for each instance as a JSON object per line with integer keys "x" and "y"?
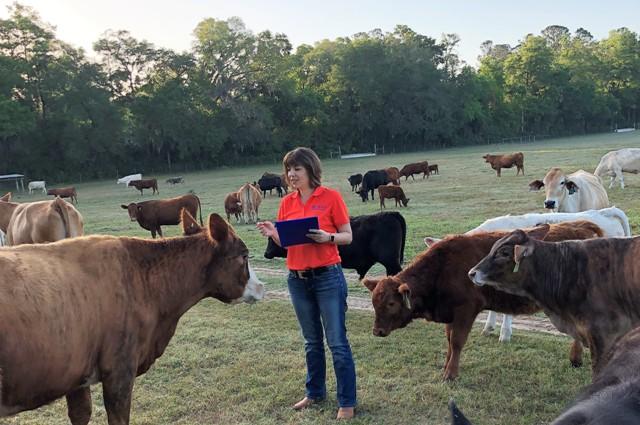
{"x": 406, "y": 299}
{"x": 519, "y": 251}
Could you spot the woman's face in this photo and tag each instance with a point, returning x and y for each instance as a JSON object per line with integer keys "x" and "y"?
{"x": 298, "y": 177}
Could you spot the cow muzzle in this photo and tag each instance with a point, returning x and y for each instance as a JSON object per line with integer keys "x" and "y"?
{"x": 477, "y": 277}
{"x": 549, "y": 204}
{"x": 254, "y": 291}
{"x": 380, "y": 332}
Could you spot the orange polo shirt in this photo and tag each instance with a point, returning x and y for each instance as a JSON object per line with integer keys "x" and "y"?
{"x": 326, "y": 204}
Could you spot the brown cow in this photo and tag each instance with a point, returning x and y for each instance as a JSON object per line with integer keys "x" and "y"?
{"x": 150, "y": 215}
{"x": 44, "y": 221}
{"x": 65, "y": 192}
{"x": 589, "y": 289}
{"x": 433, "y": 169}
{"x": 6, "y": 197}
{"x": 436, "y": 287}
{"x": 145, "y": 184}
{"x": 506, "y": 161}
{"x": 233, "y": 206}
{"x": 250, "y": 199}
{"x": 394, "y": 175}
{"x": 415, "y": 168}
{"x": 394, "y": 192}
{"x": 102, "y": 309}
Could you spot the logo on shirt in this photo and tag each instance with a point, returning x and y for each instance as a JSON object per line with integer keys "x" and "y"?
{"x": 318, "y": 207}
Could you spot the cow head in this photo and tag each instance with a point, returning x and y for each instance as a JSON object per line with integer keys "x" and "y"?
{"x": 405, "y": 201}
{"x": 134, "y": 209}
{"x": 392, "y": 304}
{"x": 501, "y": 267}
{"x": 274, "y": 250}
{"x": 557, "y": 187}
{"x": 364, "y": 194}
{"x": 229, "y": 277}
{"x": 486, "y": 158}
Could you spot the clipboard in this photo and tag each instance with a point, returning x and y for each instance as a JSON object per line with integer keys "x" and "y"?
{"x": 292, "y": 232}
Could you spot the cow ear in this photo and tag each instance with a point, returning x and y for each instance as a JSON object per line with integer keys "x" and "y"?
{"x": 189, "y": 224}
{"x": 405, "y": 291}
{"x": 535, "y": 185}
{"x": 219, "y": 229}
{"x": 519, "y": 252}
{"x": 370, "y": 284}
{"x": 571, "y": 187}
{"x": 429, "y": 241}
{"x": 124, "y": 207}
{"x": 539, "y": 232}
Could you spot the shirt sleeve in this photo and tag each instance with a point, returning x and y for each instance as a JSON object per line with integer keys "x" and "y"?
{"x": 340, "y": 214}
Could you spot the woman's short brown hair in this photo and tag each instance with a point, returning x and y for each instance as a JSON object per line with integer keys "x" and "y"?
{"x": 308, "y": 159}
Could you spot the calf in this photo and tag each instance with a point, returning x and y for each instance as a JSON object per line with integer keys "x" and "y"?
{"x": 34, "y": 185}
{"x": 415, "y": 168}
{"x": 151, "y": 215}
{"x": 44, "y": 221}
{"x": 394, "y": 175}
{"x": 377, "y": 238}
{"x": 506, "y": 161}
{"x": 174, "y": 180}
{"x": 371, "y": 180}
{"x": 589, "y": 289}
{"x": 145, "y": 184}
{"x": 614, "y": 163}
{"x": 354, "y": 181}
{"x": 394, "y": 192}
{"x": 233, "y": 206}
{"x": 433, "y": 169}
{"x": 435, "y": 287}
{"x": 65, "y": 192}
{"x": 104, "y": 308}
{"x": 579, "y": 191}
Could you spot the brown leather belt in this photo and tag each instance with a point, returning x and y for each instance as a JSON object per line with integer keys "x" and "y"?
{"x": 311, "y": 273}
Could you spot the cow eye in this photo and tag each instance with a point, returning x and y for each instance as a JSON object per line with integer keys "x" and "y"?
{"x": 391, "y": 303}
{"x": 561, "y": 183}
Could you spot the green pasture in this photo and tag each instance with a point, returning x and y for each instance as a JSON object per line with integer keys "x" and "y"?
{"x": 245, "y": 364}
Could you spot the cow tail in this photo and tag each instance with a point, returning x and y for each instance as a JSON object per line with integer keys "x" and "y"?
{"x": 403, "y": 225}
{"x": 200, "y": 209}
{"x": 59, "y": 205}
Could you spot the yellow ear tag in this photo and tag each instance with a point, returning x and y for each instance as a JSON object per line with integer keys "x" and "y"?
{"x": 406, "y": 299}
{"x": 516, "y": 267}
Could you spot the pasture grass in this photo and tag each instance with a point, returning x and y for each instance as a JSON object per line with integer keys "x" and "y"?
{"x": 246, "y": 365}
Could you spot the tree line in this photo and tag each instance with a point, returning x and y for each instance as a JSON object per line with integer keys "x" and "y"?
{"x": 237, "y": 96}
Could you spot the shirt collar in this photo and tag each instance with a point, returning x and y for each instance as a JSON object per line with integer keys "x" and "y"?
{"x": 317, "y": 192}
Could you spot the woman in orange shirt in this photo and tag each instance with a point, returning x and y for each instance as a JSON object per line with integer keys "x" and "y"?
{"x": 316, "y": 283}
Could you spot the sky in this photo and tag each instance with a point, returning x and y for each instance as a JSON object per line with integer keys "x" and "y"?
{"x": 170, "y": 23}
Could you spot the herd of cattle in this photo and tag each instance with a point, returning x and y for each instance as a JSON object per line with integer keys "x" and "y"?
{"x": 104, "y": 308}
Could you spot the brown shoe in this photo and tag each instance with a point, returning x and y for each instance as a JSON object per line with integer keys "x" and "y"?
{"x": 304, "y": 403}
{"x": 346, "y": 413}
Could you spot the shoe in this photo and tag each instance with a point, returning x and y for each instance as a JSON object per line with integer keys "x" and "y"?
{"x": 346, "y": 413}
{"x": 304, "y": 403}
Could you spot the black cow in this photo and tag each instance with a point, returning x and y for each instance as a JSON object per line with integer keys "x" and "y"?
{"x": 269, "y": 182}
{"x": 355, "y": 181}
{"x": 377, "y": 238}
{"x": 371, "y": 180}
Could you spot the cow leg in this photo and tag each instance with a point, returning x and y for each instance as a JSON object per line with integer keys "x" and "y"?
{"x": 620, "y": 177}
{"x": 490, "y": 323}
{"x": 79, "y": 406}
{"x": 505, "y": 330}
{"x": 160, "y": 232}
{"x": 575, "y": 354}
{"x": 498, "y": 171}
{"x": 117, "y": 390}
{"x": 460, "y": 329}
{"x": 153, "y": 233}
{"x": 447, "y": 332}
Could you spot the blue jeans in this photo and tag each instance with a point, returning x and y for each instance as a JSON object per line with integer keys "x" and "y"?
{"x": 320, "y": 304}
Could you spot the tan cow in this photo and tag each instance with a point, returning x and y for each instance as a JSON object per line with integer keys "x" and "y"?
{"x": 102, "y": 309}
{"x": 250, "y": 199}
{"x": 506, "y": 161}
{"x": 44, "y": 221}
{"x": 579, "y": 191}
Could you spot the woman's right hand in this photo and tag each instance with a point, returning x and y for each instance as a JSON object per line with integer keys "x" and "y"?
{"x": 266, "y": 228}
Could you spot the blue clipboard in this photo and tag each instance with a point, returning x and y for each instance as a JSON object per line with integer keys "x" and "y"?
{"x": 292, "y": 232}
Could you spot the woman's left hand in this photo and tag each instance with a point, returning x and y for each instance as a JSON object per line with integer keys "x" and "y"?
{"x": 319, "y": 235}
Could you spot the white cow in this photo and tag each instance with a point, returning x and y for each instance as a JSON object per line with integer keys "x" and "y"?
{"x": 129, "y": 178}
{"x": 579, "y": 191}
{"x": 613, "y": 222}
{"x": 37, "y": 184}
{"x": 614, "y": 163}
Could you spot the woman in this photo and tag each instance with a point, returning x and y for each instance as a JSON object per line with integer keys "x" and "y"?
{"x": 316, "y": 283}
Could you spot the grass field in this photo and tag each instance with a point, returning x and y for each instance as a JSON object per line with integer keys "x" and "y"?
{"x": 245, "y": 364}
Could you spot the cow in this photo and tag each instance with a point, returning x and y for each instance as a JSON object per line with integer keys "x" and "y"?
{"x": 433, "y": 169}
{"x": 6, "y": 197}
{"x": 44, "y": 221}
{"x": 613, "y": 222}
{"x": 614, "y": 163}
{"x": 104, "y": 308}
{"x": 174, "y": 180}
{"x": 37, "y": 184}
{"x": 394, "y": 192}
{"x": 506, "y": 161}
{"x": 613, "y": 396}
{"x": 394, "y": 175}
{"x": 415, "y": 168}
{"x": 270, "y": 181}
{"x": 377, "y": 238}
{"x": 370, "y": 182}
{"x": 233, "y": 206}
{"x": 435, "y": 286}
{"x": 126, "y": 179}
{"x": 354, "y": 181}
{"x": 250, "y": 200}
{"x": 588, "y": 289}
{"x": 145, "y": 184}
{"x": 151, "y": 215}
{"x": 579, "y": 191}
{"x": 65, "y": 192}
